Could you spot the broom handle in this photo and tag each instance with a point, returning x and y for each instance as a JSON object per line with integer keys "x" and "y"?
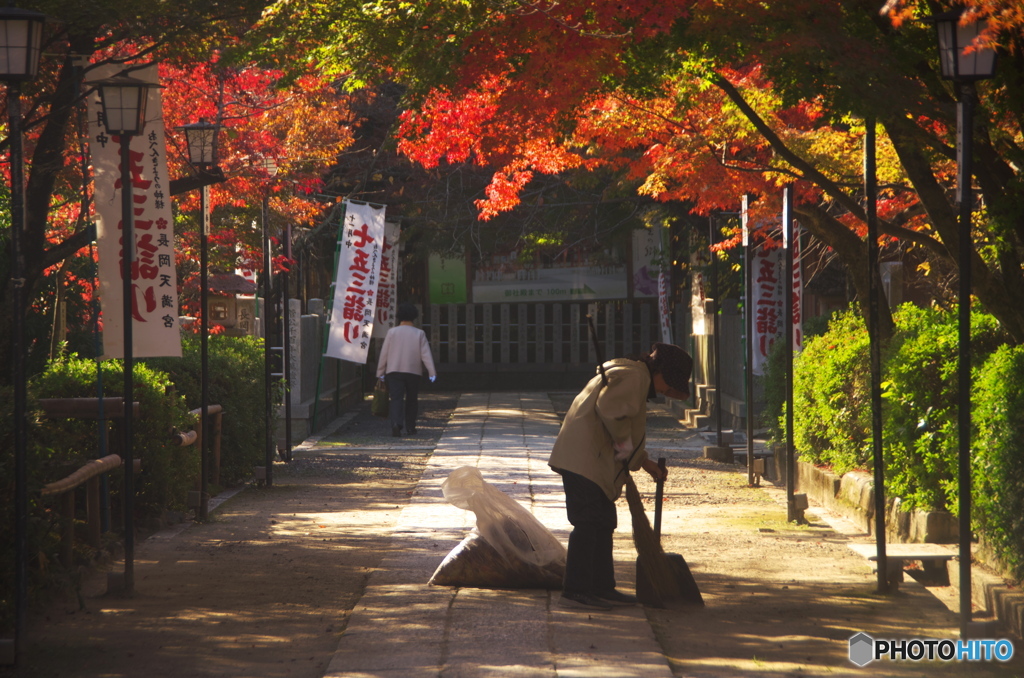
{"x": 604, "y": 382}
{"x": 659, "y": 493}
{"x": 597, "y": 349}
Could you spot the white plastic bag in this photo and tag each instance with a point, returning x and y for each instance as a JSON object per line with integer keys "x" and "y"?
{"x": 509, "y": 548}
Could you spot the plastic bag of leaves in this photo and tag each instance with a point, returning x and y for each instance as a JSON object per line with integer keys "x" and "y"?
{"x": 508, "y": 548}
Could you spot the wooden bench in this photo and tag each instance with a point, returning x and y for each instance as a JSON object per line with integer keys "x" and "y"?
{"x": 932, "y": 557}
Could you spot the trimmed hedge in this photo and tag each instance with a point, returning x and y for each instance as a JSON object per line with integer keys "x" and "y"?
{"x": 168, "y": 471}
{"x": 920, "y": 389}
{"x": 998, "y": 455}
{"x": 831, "y": 392}
{"x": 236, "y": 384}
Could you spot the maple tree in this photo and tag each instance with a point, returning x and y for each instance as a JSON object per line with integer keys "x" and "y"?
{"x": 303, "y": 122}
{"x": 703, "y": 101}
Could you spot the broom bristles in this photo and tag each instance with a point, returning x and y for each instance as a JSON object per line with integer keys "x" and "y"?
{"x": 652, "y": 558}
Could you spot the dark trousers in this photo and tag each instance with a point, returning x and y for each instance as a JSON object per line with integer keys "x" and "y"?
{"x": 404, "y": 404}
{"x": 588, "y": 564}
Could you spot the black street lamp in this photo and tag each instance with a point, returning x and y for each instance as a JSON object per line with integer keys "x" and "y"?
{"x": 270, "y": 167}
{"x": 123, "y": 100}
{"x": 20, "y": 37}
{"x": 874, "y": 294}
{"x": 201, "y": 138}
{"x": 964, "y": 63}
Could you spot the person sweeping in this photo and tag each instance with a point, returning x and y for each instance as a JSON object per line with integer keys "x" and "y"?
{"x": 601, "y": 440}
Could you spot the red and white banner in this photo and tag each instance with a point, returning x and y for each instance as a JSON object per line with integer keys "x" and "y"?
{"x": 155, "y": 329}
{"x": 387, "y": 287}
{"x": 360, "y": 252}
{"x": 769, "y": 313}
{"x": 798, "y": 292}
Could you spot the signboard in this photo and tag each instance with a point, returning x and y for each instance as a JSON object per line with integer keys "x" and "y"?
{"x": 581, "y": 277}
{"x": 360, "y": 251}
{"x": 154, "y": 303}
{"x": 447, "y": 275}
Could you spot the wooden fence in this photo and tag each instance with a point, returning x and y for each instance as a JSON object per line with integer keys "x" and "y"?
{"x": 542, "y": 335}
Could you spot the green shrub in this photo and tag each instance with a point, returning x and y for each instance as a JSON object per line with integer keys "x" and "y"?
{"x": 831, "y": 382}
{"x": 920, "y": 405}
{"x": 919, "y": 387}
{"x": 168, "y": 471}
{"x": 41, "y": 540}
{"x": 773, "y": 415}
{"x": 998, "y": 455}
{"x": 235, "y": 383}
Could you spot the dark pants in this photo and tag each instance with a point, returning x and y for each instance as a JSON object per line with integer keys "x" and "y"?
{"x": 404, "y": 388}
{"x": 588, "y": 564}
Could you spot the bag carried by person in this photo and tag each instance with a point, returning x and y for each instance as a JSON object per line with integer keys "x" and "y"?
{"x": 379, "y": 406}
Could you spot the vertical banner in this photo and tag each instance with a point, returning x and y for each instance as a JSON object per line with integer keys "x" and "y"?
{"x": 360, "y": 251}
{"x": 768, "y": 303}
{"x": 664, "y": 281}
{"x": 387, "y": 285}
{"x": 155, "y": 329}
{"x": 798, "y": 292}
{"x": 645, "y": 253}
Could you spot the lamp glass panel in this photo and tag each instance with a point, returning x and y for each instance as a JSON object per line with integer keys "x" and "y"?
{"x": 19, "y": 48}
{"x": 967, "y": 59}
{"x": 947, "y": 47}
{"x": 973, "y": 63}
{"x": 200, "y": 144}
{"x": 125, "y": 108}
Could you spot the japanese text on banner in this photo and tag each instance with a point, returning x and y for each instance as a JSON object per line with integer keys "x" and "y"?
{"x": 769, "y": 318}
{"x": 360, "y": 252}
{"x": 154, "y": 300}
{"x": 387, "y": 288}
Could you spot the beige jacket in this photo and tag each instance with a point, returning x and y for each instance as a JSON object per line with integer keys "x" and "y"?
{"x": 601, "y": 416}
{"x": 405, "y": 349}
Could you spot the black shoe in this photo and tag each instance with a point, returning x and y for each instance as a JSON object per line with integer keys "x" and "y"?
{"x": 396, "y": 431}
{"x": 583, "y": 601}
{"x": 616, "y": 598}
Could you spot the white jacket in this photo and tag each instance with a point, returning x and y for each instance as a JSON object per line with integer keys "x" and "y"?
{"x": 405, "y": 349}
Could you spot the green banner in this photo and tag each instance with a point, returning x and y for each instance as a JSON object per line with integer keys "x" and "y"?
{"x": 447, "y": 277}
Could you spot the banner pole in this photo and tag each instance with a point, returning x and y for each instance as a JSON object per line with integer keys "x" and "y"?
{"x": 330, "y": 310}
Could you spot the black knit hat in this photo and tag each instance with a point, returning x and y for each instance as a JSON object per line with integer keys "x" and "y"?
{"x": 674, "y": 364}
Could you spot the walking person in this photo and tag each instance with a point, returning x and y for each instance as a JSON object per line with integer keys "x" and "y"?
{"x": 403, "y": 357}
{"x": 601, "y": 437}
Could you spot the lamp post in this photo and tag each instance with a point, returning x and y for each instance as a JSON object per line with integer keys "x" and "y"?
{"x": 123, "y": 100}
{"x": 201, "y": 138}
{"x": 270, "y": 166}
{"x": 792, "y": 512}
{"x": 715, "y": 345}
{"x": 878, "y": 459}
{"x": 287, "y": 343}
{"x": 20, "y": 37}
{"x": 964, "y": 68}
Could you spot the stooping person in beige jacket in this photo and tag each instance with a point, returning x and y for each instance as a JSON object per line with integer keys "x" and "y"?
{"x": 601, "y": 437}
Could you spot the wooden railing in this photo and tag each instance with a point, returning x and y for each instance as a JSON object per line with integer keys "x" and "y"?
{"x": 90, "y": 475}
{"x": 91, "y": 472}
